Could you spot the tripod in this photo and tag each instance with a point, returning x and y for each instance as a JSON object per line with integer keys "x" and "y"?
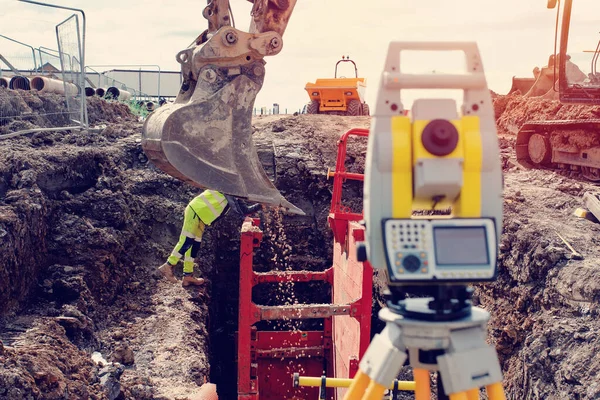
{"x": 444, "y": 334}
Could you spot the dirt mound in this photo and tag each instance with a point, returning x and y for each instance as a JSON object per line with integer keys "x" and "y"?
{"x": 83, "y": 217}
{"x": 43, "y": 363}
{"x": 544, "y": 304}
{"x": 514, "y": 110}
{"x": 24, "y": 109}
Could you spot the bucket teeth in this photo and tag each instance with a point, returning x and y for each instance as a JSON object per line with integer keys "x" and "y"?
{"x": 206, "y": 140}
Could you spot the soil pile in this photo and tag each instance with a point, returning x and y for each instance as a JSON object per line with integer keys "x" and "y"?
{"x": 84, "y": 221}
{"x": 24, "y": 109}
{"x": 514, "y": 110}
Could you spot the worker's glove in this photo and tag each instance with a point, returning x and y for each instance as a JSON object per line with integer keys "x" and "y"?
{"x": 254, "y": 208}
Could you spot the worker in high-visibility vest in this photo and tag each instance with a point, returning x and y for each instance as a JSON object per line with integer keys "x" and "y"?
{"x": 203, "y": 210}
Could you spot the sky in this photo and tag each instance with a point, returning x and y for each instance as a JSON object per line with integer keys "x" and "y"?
{"x": 513, "y": 36}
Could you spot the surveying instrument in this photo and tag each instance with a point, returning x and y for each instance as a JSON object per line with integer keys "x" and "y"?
{"x": 434, "y": 162}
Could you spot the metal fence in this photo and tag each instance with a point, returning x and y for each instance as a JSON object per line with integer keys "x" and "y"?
{"x": 70, "y": 52}
{"x": 41, "y": 88}
{"x": 20, "y": 56}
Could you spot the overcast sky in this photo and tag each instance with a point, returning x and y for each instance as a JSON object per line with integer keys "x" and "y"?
{"x": 513, "y": 35}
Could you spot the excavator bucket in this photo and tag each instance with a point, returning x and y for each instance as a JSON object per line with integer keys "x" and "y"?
{"x": 205, "y": 137}
{"x": 206, "y": 140}
{"x": 521, "y": 84}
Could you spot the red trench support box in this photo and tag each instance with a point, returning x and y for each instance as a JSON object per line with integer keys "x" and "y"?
{"x": 267, "y": 360}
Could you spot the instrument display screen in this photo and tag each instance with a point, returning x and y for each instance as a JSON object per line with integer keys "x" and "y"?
{"x": 460, "y": 246}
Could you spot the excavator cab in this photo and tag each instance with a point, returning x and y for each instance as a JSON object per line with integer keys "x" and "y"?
{"x": 205, "y": 137}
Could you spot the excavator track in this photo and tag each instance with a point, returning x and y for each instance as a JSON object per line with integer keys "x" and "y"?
{"x": 561, "y": 145}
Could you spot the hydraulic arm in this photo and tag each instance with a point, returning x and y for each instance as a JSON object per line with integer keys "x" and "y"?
{"x": 205, "y": 137}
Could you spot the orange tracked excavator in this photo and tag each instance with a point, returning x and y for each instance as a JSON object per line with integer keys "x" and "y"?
{"x": 567, "y": 144}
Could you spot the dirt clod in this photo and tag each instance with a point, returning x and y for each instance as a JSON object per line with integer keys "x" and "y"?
{"x": 123, "y": 355}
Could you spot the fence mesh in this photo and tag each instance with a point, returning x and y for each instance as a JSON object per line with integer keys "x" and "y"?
{"x": 70, "y": 51}
{"x": 49, "y": 61}
{"x": 19, "y": 55}
{"x": 42, "y": 91}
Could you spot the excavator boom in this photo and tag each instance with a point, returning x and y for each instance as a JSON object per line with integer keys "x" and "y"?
{"x": 205, "y": 137}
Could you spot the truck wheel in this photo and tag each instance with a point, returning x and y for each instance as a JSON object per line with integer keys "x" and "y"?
{"x": 313, "y": 107}
{"x": 354, "y": 108}
{"x": 365, "y": 109}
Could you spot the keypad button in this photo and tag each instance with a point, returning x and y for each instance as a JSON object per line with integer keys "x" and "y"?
{"x": 411, "y": 263}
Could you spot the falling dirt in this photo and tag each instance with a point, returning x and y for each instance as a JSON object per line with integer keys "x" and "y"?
{"x": 85, "y": 220}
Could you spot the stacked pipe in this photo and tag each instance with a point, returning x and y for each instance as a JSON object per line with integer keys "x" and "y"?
{"x": 4, "y": 82}
{"x": 90, "y": 91}
{"x": 48, "y": 85}
{"x": 19, "y": 82}
{"x": 117, "y": 94}
{"x": 100, "y": 92}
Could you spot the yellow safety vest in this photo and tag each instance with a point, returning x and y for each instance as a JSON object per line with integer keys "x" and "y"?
{"x": 209, "y": 206}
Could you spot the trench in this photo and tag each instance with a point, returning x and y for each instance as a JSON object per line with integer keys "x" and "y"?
{"x": 225, "y": 298}
{"x": 290, "y": 243}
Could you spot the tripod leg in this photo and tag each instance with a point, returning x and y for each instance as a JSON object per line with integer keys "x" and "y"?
{"x": 441, "y": 394}
{"x": 375, "y": 391}
{"x": 380, "y": 364}
{"x": 358, "y": 386}
{"x": 473, "y": 394}
{"x": 495, "y": 391}
{"x": 423, "y": 384}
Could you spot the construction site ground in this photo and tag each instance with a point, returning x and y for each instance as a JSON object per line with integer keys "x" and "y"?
{"x": 85, "y": 220}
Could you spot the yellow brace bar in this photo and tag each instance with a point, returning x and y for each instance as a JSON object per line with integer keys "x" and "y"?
{"x": 310, "y": 381}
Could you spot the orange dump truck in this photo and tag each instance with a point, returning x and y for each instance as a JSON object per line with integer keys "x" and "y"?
{"x": 338, "y": 96}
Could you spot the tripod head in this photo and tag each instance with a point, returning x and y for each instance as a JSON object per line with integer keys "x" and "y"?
{"x": 434, "y": 303}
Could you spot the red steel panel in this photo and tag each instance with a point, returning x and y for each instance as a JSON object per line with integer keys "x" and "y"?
{"x": 268, "y": 339}
{"x": 247, "y": 386}
{"x": 353, "y": 282}
{"x": 295, "y": 276}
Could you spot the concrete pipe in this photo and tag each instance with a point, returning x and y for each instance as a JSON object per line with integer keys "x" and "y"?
{"x": 90, "y": 92}
{"x": 100, "y": 92}
{"x": 48, "y": 85}
{"x": 19, "y": 82}
{"x": 150, "y": 106}
{"x": 117, "y": 94}
{"x": 4, "y": 82}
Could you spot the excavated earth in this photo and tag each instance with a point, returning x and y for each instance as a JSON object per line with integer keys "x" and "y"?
{"x": 85, "y": 220}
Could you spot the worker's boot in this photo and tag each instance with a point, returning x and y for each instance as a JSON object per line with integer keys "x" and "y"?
{"x": 189, "y": 280}
{"x": 167, "y": 271}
